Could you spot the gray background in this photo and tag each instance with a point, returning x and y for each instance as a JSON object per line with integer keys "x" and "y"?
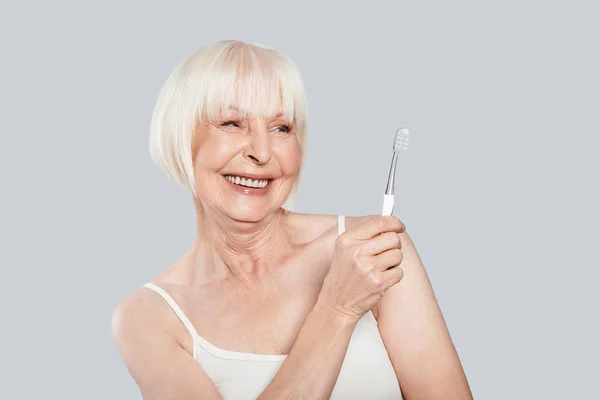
{"x": 499, "y": 186}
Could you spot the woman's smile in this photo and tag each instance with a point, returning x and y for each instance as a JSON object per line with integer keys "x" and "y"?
{"x": 253, "y": 186}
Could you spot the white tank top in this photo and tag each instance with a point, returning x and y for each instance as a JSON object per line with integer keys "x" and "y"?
{"x": 366, "y": 371}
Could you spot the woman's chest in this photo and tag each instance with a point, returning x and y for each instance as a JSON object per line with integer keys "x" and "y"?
{"x": 262, "y": 318}
{"x": 265, "y": 323}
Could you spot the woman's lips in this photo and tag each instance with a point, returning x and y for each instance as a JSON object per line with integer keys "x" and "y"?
{"x": 249, "y": 190}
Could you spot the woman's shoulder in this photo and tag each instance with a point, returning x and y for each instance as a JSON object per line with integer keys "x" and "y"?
{"x": 317, "y": 225}
{"x": 139, "y": 310}
{"x": 135, "y": 314}
{"x": 310, "y": 227}
{"x": 145, "y": 312}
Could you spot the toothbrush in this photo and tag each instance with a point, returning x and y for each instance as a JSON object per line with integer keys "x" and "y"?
{"x": 400, "y": 144}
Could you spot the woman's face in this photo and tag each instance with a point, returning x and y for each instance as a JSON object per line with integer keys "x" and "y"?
{"x": 233, "y": 153}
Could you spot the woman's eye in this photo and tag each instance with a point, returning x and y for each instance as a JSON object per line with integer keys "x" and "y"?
{"x": 284, "y": 128}
{"x": 230, "y": 123}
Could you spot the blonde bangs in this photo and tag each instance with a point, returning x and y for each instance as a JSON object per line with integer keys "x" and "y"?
{"x": 253, "y": 81}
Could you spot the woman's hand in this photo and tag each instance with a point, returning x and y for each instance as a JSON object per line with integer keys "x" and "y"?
{"x": 365, "y": 265}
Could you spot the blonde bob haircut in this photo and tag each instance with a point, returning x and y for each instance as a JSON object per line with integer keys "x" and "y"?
{"x": 254, "y": 78}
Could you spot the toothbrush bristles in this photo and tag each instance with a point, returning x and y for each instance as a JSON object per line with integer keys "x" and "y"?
{"x": 401, "y": 140}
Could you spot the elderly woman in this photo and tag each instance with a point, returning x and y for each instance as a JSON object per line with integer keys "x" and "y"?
{"x": 268, "y": 303}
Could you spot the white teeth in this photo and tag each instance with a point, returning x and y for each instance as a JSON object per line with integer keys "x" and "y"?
{"x": 247, "y": 181}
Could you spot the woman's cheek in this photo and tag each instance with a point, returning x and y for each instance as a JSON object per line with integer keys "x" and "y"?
{"x": 290, "y": 157}
{"x": 217, "y": 152}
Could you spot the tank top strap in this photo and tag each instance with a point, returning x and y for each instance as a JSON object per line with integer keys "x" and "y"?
{"x": 177, "y": 310}
{"x": 341, "y": 224}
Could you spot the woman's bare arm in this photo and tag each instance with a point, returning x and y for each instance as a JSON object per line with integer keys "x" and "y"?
{"x": 416, "y": 337}
{"x": 164, "y": 370}
{"x": 312, "y": 367}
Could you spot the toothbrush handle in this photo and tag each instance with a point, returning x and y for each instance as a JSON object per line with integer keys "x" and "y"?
{"x": 388, "y": 204}
{"x": 389, "y": 188}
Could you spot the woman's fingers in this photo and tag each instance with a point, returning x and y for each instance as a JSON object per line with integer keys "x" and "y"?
{"x": 387, "y": 259}
{"x": 376, "y": 226}
{"x": 385, "y": 241}
{"x": 392, "y": 276}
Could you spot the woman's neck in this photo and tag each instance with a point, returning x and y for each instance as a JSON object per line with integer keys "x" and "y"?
{"x": 228, "y": 249}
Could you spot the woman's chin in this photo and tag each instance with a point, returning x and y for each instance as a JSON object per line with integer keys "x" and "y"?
{"x": 248, "y": 216}
{"x": 245, "y": 211}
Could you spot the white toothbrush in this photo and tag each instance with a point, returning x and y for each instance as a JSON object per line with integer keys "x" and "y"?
{"x": 400, "y": 144}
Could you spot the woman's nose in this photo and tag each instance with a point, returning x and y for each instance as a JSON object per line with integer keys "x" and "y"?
{"x": 259, "y": 147}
